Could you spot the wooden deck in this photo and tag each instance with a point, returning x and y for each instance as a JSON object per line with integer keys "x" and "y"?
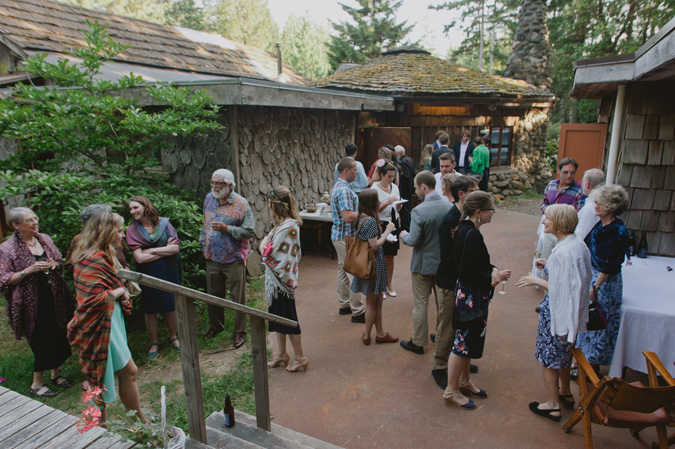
{"x": 29, "y": 424}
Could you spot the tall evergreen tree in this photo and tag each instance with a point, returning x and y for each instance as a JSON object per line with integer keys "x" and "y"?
{"x": 249, "y": 22}
{"x": 374, "y": 28}
{"x": 487, "y": 24}
{"x": 304, "y": 47}
{"x": 184, "y": 13}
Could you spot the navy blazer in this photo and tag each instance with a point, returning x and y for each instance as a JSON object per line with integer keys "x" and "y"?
{"x": 469, "y": 151}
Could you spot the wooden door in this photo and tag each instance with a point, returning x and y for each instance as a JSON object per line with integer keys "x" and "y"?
{"x": 372, "y": 139}
{"x": 583, "y": 142}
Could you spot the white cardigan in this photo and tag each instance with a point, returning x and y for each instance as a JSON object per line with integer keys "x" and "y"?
{"x": 569, "y": 281}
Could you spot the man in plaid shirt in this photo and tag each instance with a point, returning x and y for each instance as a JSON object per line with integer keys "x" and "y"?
{"x": 344, "y": 209}
{"x": 564, "y": 190}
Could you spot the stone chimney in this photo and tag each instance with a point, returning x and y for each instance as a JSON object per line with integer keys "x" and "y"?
{"x": 529, "y": 56}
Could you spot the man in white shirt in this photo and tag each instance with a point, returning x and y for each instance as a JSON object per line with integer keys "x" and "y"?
{"x": 592, "y": 179}
{"x": 463, "y": 150}
{"x": 447, "y": 166}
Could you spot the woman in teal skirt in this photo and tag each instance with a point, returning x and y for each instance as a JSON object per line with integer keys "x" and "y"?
{"x": 97, "y": 329}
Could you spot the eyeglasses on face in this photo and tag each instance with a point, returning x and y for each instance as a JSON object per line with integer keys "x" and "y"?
{"x": 217, "y": 183}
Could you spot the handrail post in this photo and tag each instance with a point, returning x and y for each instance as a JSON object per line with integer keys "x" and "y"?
{"x": 262, "y": 389}
{"x": 189, "y": 361}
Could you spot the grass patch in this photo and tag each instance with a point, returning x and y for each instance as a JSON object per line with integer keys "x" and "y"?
{"x": 16, "y": 367}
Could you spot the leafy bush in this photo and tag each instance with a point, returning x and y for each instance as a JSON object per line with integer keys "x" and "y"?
{"x": 88, "y": 141}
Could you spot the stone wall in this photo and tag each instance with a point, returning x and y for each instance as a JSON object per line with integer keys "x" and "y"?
{"x": 530, "y": 52}
{"x": 530, "y": 151}
{"x": 265, "y": 147}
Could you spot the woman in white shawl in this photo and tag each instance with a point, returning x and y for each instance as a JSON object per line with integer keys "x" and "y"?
{"x": 281, "y": 255}
{"x": 564, "y": 309}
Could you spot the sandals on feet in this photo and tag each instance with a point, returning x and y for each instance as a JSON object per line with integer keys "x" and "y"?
{"x": 465, "y": 388}
{"x": 153, "y": 354}
{"x": 61, "y": 381}
{"x": 40, "y": 393}
{"x": 448, "y": 398}
{"x": 175, "y": 347}
{"x": 567, "y": 400}
{"x": 534, "y": 408}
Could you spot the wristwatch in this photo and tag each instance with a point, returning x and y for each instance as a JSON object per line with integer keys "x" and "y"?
{"x": 23, "y": 274}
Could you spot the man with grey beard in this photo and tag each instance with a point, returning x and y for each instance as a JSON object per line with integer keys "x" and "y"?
{"x": 228, "y": 226}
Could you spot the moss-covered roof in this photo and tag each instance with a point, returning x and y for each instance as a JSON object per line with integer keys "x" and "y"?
{"x": 415, "y": 72}
{"x": 43, "y": 25}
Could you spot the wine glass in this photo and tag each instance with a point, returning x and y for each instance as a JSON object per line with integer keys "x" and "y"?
{"x": 502, "y": 291}
{"x": 46, "y": 270}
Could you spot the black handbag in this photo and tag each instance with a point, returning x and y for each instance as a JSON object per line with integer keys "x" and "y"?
{"x": 597, "y": 320}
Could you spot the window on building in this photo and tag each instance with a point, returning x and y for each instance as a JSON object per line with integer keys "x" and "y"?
{"x": 502, "y": 145}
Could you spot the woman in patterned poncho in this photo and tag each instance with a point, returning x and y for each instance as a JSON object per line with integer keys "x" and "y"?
{"x": 97, "y": 330}
{"x": 281, "y": 255}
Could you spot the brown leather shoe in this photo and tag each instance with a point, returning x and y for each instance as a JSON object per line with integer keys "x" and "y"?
{"x": 386, "y": 339}
{"x": 239, "y": 340}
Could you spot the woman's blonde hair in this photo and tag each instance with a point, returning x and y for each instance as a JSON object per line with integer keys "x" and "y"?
{"x": 563, "y": 216}
{"x": 446, "y": 182}
{"x": 99, "y": 234}
{"x": 283, "y": 205}
{"x": 427, "y": 152}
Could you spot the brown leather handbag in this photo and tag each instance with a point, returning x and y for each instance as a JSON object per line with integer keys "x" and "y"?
{"x": 360, "y": 260}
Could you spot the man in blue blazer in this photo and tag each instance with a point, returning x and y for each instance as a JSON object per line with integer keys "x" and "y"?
{"x": 463, "y": 150}
{"x": 423, "y": 237}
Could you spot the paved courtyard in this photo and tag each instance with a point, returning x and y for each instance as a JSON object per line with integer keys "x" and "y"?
{"x": 381, "y": 396}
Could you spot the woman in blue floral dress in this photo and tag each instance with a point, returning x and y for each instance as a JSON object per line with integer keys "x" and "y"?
{"x": 608, "y": 242}
{"x": 368, "y": 229}
{"x": 564, "y": 309}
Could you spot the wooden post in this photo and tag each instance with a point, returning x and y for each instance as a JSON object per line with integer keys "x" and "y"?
{"x": 189, "y": 360}
{"x": 259, "y": 352}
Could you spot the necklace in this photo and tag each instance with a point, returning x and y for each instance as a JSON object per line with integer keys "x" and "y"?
{"x": 34, "y": 245}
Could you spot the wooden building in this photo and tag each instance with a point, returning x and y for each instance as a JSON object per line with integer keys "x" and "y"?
{"x": 635, "y": 98}
{"x": 430, "y": 93}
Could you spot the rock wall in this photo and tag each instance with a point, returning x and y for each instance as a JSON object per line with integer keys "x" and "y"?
{"x": 530, "y": 52}
{"x": 265, "y": 147}
{"x": 297, "y": 148}
{"x": 531, "y": 170}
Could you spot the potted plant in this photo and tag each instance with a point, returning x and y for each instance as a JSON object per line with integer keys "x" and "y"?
{"x": 152, "y": 434}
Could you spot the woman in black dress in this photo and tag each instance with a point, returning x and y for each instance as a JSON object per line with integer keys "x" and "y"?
{"x": 476, "y": 278}
{"x": 368, "y": 229}
{"x": 39, "y": 303}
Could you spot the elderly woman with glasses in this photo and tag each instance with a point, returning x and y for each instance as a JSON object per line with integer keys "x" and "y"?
{"x": 607, "y": 241}
{"x": 39, "y": 303}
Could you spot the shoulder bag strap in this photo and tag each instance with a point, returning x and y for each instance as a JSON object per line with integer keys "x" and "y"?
{"x": 461, "y": 262}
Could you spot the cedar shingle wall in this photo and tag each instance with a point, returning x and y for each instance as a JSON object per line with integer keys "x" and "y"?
{"x": 647, "y": 163}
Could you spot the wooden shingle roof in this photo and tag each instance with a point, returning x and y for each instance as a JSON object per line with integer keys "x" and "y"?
{"x": 409, "y": 72}
{"x": 41, "y": 25}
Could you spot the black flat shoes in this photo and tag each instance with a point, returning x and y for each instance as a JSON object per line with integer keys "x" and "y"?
{"x": 534, "y": 408}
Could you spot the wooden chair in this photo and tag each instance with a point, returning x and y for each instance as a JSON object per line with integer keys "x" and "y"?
{"x": 613, "y": 402}
{"x": 655, "y": 366}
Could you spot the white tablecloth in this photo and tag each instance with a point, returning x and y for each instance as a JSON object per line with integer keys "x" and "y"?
{"x": 322, "y": 214}
{"x": 647, "y": 315}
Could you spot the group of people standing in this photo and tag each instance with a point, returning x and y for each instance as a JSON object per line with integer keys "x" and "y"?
{"x": 582, "y": 266}
{"x": 42, "y": 308}
{"x": 435, "y": 227}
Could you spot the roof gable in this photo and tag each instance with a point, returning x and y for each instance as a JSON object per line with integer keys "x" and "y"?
{"x": 42, "y": 25}
{"x": 408, "y": 72}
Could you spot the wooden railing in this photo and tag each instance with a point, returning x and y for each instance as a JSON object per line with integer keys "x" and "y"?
{"x": 189, "y": 354}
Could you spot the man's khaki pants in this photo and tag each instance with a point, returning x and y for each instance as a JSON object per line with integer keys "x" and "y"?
{"x": 218, "y": 277}
{"x": 445, "y": 333}
{"x": 422, "y": 284}
{"x": 346, "y": 297}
